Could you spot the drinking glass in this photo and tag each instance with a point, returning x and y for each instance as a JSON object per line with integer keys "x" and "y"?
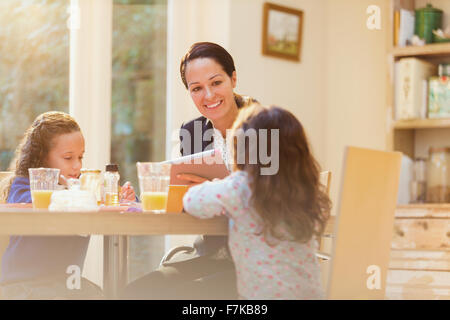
{"x": 43, "y": 181}
{"x": 154, "y": 180}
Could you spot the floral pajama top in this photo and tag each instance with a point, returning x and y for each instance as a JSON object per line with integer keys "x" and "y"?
{"x": 288, "y": 270}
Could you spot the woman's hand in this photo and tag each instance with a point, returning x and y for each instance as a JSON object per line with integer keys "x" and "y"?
{"x": 127, "y": 193}
{"x": 191, "y": 179}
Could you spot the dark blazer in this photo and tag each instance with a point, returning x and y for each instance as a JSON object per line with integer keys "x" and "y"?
{"x": 196, "y": 128}
{"x": 197, "y": 136}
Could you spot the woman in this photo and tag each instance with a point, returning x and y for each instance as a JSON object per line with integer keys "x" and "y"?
{"x": 208, "y": 73}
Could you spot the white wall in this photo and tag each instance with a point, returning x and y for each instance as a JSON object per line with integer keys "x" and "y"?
{"x": 298, "y": 87}
{"x": 356, "y": 78}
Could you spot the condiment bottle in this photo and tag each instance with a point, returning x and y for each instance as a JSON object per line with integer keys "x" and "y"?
{"x": 111, "y": 179}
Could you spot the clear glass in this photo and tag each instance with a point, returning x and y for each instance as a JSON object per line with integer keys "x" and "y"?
{"x": 154, "y": 179}
{"x": 438, "y": 189}
{"x": 43, "y": 181}
{"x": 34, "y": 66}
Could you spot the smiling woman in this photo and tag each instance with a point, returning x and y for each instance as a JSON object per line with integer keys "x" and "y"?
{"x": 211, "y": 90}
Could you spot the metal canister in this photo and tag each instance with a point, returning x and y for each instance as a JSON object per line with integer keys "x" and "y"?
{"x": 427, "y": 20}
{"x": 438, "y": 175}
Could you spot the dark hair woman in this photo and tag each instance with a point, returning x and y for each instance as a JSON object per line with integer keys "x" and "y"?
{"x": 208, "y": 73}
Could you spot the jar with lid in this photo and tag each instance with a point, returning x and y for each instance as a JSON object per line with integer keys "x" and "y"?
{"x": 111, "y": 178}
{"x": 438, "y": 173}
{"x": 426, "y": 20}
{"x": 91, "y": 181}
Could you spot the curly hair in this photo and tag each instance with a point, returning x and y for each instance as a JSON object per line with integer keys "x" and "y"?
{"x": 36, "y": 143}
{"x": 292, "y": 203}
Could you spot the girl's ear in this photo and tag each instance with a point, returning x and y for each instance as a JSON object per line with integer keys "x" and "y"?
{"x": 233, "y": 79}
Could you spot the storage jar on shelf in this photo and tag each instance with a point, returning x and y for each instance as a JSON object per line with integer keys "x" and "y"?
{"x": 438, "y": 175}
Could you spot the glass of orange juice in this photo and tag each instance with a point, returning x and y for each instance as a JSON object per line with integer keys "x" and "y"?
{"x": 43, "y": 181}
{"x": 154, "y": 185}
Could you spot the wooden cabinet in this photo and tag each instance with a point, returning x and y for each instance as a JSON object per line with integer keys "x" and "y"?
{"x": 419, "y": 267}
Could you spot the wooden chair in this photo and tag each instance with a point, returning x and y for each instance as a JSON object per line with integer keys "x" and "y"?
{"x": 364, "y": 224}
{"x": 5, "y": 174}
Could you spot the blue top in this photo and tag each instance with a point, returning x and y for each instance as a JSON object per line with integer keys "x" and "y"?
{"x": 31, "y": 257}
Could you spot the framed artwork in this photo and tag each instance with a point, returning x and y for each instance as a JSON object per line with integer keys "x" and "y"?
{"x": 282, "y": 32}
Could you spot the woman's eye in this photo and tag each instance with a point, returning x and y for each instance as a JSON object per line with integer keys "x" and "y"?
{"x": 216, "y": 83}
{"x": 196, "y": 89}
{"x": 68, "y": 158}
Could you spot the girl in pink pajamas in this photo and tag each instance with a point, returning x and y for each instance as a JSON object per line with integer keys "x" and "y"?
{"x": 275, "y": 218}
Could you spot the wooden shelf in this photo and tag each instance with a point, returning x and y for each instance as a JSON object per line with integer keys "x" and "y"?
{"x": 423, "y": 124}
{"x": 429, "y": 50}
{"x": 423, "y": 210}
{"x": 440, "y": 206}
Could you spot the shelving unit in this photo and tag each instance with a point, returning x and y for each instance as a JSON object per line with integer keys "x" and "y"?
{"x": 420, "y": 253}
{"x": 402, "y": 134}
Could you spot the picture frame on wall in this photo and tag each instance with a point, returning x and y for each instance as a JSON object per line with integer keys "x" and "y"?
{"x": 282, "y": 32}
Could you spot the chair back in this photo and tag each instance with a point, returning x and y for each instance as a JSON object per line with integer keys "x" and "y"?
{"x": 5, "y": 174}
{"x": 364, "y": 224}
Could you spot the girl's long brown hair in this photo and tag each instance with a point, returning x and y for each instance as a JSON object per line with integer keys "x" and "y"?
{"x": 35, "y": 145}
{"x": 293, "y": 198}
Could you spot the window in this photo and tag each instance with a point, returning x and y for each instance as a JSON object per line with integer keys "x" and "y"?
{"x": 138, "y": 84}
{"x": 138, "y": 117}
{"x": 34, "y": 66}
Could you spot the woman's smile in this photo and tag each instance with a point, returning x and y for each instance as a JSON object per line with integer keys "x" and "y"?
{"x": 214, "y": 105}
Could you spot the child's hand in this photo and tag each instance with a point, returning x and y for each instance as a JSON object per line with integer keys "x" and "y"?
{"x": 191, "y": 179}
{"x": 127, "y": 192}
